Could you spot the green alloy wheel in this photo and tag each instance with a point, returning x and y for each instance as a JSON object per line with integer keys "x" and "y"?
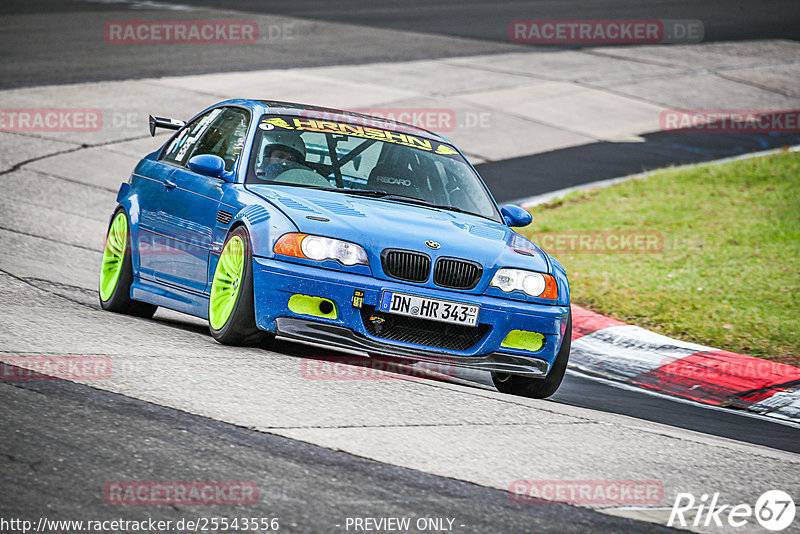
{"x": 231, "y": 311}
{"x": 116, "y": 272}
{"x": 113, "y": 256}
{"x": 227, "y": 282}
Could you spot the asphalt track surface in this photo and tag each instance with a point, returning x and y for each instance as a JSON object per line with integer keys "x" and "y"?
{"x": 56, "y": 41}
{"x": 99, "y": 436}
{"x": 38, "y": 48}
{"x": 518, "y": 178}
{"x": 748, "y": 19}
{"x": 84, "y": 437}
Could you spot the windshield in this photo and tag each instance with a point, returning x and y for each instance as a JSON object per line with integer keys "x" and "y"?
{"x": 368, "y": 161}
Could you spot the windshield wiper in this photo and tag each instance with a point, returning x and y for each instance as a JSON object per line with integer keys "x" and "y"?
{"x": 307, "y": 186}
{"x": 402, "y": 198}
{"x": 375, "y": 193}
{"x": 366, "y": 192}
{"x": 438, "y": 206}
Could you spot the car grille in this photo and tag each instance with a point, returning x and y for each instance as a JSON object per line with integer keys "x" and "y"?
{"x": 421, "y": 331}
{"x": 457, "y": 274}
{"x": 406, "y": 265}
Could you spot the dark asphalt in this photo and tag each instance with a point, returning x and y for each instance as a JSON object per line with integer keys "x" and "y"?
{"x": 580, "y": 390}
{"x": 53, "y": 41}
{"x": 45, "y": 42}
{"x": 576, "y": 390}
{"x": 478, "y": 19}
{"x": 63, "y": 442}
{"x": 517, "y": 178}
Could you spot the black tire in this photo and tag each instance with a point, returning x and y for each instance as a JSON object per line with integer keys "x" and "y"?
{"x": 538, "y": 388}
{"x": 120, "y": 300}
{"x": 240, "y": 329}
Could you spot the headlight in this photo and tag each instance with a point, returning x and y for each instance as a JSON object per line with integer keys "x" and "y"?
{"x": 317, "y": 248}
{"x": 532, "y": 283}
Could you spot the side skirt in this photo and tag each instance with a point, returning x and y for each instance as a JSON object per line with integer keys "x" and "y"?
{"x": 170, "y": 297}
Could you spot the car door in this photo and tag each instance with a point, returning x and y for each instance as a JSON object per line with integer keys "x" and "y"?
{"x": 149, "y": 181}
{"x": 188, "y": 213}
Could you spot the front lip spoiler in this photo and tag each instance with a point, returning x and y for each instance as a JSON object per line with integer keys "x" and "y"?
{"x": 342, "y": 337}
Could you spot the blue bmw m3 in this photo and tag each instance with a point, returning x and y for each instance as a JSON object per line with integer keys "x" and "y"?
{"x": 279, "y": 219}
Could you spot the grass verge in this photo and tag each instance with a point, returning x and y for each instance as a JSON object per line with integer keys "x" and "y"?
{"x": 709, "y": 254}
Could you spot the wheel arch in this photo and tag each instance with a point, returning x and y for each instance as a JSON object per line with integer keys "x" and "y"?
{"x": 264, "y": 225}
{"x": 261, "y": 227}
{"x": 128, "y": 200}
{"x": 560, "y": 274}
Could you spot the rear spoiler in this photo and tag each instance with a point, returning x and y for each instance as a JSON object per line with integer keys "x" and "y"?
{"x": 163, "y": 122}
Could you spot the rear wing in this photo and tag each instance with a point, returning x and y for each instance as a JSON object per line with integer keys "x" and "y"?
{"x": 163, "y": 122}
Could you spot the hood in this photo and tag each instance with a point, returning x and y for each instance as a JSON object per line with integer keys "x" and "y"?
{"x": 378, "y": 224}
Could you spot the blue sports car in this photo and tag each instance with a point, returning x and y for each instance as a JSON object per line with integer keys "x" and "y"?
{"x": 320, "y": 225}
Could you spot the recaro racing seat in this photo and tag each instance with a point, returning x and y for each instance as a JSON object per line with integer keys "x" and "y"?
{"x": 393, "y": 174}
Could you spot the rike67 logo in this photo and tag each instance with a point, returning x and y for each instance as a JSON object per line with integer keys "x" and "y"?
{"x": 774, "y": 510}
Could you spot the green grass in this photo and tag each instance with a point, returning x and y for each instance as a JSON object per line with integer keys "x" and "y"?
{"x": 729, "y": 272}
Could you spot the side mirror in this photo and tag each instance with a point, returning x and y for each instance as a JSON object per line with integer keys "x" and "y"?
{"x": 516, "y": 216}
{"x": 209, "y": 165}
{"x": 163, "y": 122}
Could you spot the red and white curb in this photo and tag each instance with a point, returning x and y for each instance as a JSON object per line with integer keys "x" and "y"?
{"x": 626, "y": 353}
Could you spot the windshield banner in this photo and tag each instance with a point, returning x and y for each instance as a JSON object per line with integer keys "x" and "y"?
{"x": 365, "y": 132}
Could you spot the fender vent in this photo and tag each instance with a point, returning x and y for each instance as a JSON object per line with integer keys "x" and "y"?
{"x": 224, "y": 218}
{"x": 255, "y": 214}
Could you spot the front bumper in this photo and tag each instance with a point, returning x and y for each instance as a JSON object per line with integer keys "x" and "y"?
{"x": 275, "y": 281}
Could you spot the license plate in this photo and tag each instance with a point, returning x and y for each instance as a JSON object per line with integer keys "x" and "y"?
{"x": 434, "y": 309}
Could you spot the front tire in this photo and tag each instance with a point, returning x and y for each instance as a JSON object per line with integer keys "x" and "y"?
{"x": 231, "y": 307}
{"x": 538, "y": 388}
{"x": 116, "y": 271}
